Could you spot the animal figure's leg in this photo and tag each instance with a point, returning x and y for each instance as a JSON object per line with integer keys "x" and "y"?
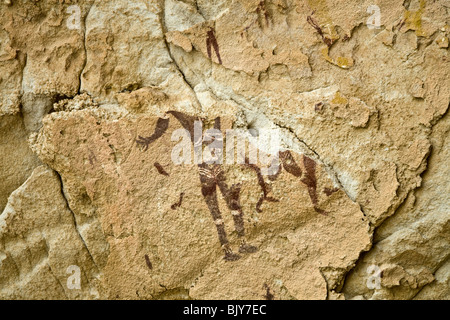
{"x": 209, "y": 193}
{"x": 262, "y": 184}
{"x": 289, "y": 163}
{"x": 309, "y": 177}
{"x": 232, "y": 198}
{"x": 311, "y": 182}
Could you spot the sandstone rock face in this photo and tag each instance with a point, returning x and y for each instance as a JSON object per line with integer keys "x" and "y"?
{"x": 18, "y": 161}
{"x": 112, "y": 114}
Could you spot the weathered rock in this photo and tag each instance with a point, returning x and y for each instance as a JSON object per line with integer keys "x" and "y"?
{"x": 440, "y": 288}
{"x": 151, "y": 208}
{"x": 17, "y": 160}
{"x": 358, "y": 92}
{"x": 39, "y": 242}
{"x": 414, "y": 243}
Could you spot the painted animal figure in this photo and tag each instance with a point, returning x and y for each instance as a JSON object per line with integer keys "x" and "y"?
{"x": 212, "y": 179}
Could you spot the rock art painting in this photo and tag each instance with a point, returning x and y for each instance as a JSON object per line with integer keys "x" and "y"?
{"x": 224, "y": 150}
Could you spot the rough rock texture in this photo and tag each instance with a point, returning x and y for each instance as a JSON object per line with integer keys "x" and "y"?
{"x": 93, "y": 94}
{"x": 17, "y": 159}
{"x": 412, "y": 247}
{"x": 36, "y": 252}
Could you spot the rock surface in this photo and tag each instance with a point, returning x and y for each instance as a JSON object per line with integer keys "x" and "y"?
{"x": 96, "y": 97}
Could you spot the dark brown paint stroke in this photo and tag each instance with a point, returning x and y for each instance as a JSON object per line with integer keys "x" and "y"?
{"x": 160, "y": 169}
{"x": 232, "y": 199}
{"x": 262, "y": 184}
{"x": 311, "y": 182}
{"x": 217, "y": 123}
{"x": 316, "y": 26}
{"x": 186, "y": 121}
{"x": 212, "y": 41}
{"x": 329, "y": 191}
{"x": 178, "y": 204}
{"x": 148, "y": 262}
{"x": 161, "y": 128}
{"x": 209, "y": 183}
{"x": 310, "y": 178}
{"x": 92, "y": 157}
{"x": 289, "y": 163}
{"x": 268, "y": 295}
